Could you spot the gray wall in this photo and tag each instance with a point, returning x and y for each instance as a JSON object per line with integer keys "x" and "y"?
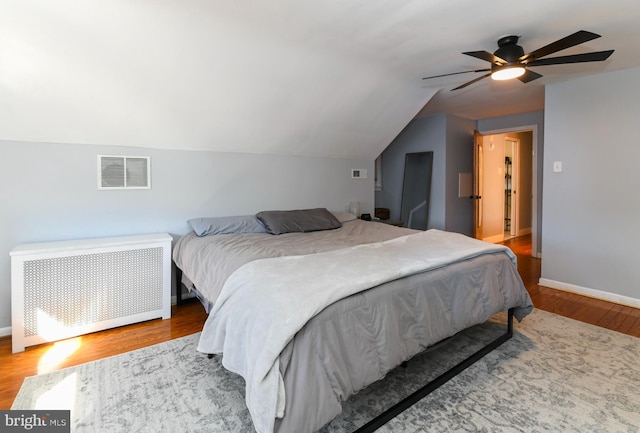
{"x": 49, "y": 192}
{"x": 420, "y": 135}
{"x": 591, "y": 209}
{"x": 451, "y": 140}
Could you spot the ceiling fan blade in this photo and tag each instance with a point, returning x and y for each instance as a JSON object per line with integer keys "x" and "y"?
{"x": 597, "y": 56}
{"x": 577, "y": 38}
{"x": 468, "y": 83}
{"x": 455, "y": 73}
{"x": 485, "y": 55}
{"x": 529, "y": 76}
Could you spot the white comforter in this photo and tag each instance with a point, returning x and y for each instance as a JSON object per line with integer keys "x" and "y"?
{"x": 264, "y": 303}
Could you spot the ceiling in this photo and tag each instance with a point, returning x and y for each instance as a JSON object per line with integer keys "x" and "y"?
{"x": 315, "y": 78}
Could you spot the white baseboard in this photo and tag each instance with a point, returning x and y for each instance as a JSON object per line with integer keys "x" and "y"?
{"x": 592, "y": 293}
{"x": 524, "y": 232}
{"x": 5, "y": 331}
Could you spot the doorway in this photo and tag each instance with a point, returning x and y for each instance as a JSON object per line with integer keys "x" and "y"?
{"x": 506, "y": 202}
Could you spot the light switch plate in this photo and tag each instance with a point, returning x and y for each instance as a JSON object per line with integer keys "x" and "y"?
{"x": 557, "y": 166}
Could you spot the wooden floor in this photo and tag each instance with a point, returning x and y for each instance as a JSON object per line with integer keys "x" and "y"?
{"x": 190, "y": 317}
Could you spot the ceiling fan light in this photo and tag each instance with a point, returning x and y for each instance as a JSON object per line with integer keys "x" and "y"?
{"x": 508, "y": 73}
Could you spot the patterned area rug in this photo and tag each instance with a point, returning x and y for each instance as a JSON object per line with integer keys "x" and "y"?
{"x": 554, "y": 375}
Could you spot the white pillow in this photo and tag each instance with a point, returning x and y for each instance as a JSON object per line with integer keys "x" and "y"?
{"x": 343, "y": 217}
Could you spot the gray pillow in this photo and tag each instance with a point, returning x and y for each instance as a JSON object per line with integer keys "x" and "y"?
{"x": 304, "y": 220}
{"x": 226, "y": 225}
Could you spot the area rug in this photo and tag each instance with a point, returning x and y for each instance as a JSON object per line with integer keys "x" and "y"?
{"x": 554, "y": 375}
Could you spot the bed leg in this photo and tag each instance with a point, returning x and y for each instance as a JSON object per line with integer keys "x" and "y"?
{"x": 178, "y": 275}
{"x": 209, "y": 355}
{"x": 427, "y": 389}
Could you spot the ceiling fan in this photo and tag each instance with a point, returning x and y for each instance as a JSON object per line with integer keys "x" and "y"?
{"x": 509, "y": 60}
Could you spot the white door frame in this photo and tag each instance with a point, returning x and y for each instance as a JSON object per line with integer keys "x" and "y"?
{"x": 534, "y": 179}
{"x": 515, "y": 186}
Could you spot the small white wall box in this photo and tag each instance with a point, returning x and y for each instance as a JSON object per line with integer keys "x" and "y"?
{"x": 358, "y": 173}
{"x": 65, "y": 289}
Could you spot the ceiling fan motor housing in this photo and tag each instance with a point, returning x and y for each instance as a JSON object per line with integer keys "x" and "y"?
{"x": 508, "y": 50}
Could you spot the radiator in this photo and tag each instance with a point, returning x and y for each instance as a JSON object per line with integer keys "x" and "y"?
{"x": 65, "y": 289}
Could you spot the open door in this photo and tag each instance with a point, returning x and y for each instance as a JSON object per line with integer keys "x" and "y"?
{"x": 478, "y": 164}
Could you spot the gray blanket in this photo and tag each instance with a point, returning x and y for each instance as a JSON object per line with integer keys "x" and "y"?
{"x": 264, "y": 303}
{"x": 208, "y": 261}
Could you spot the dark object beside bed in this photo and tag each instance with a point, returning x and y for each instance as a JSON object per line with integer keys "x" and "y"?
{"x": 383, "y": 213}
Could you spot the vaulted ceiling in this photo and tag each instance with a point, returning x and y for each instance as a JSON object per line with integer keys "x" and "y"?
{"x": 316, "y": 78}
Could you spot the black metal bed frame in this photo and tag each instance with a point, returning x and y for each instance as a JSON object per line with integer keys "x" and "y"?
{"x": 178, "y": 276}
{"x": 436, "y": 383}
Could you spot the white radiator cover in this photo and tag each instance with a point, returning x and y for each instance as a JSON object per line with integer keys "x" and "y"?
{"x": 65, "y": 289}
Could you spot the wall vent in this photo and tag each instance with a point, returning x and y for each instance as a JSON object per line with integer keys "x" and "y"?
{"x": 124, "y": 172}
{"x": 64, "y": 289}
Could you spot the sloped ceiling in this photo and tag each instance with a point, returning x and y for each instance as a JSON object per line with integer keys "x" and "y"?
{"x": 316, "y": 78}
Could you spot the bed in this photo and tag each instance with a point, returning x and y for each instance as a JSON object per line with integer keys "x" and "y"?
{"x": 311, "y": 306}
